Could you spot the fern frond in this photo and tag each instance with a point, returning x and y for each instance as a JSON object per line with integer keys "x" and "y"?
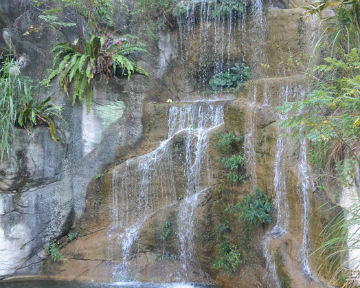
{"x": 57, "y": 71}
{"x": 124, "y": 63}
{"x": 82, "y": 88}
{"x": 141, "y": 70}
{"x": 62, "y": 46}
{"x": 131, "y": 49}
{"x": 69, "y": 68}
{"x": 57, "y": 56}
{"x": 88, "y": 72}
{"x": 78, "y": 67}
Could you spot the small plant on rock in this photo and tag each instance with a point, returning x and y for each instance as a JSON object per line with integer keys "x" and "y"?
{"x": 234, "y": 78}
{"x": 236, "y": 165}
{"x": 229, "y": 258}
{"x": 72, "y": 236}
{"x": 166, "y": 231}
{"x": 254, "y": 209}
{"x": 54, "y": 252}
{"x": 43, "y": 113}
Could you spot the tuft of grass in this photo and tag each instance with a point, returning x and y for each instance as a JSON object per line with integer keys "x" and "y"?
{"x": 341, "y": 236}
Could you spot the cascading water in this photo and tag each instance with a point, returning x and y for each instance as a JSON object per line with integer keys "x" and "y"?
{"x": 145, "y": 185}
{"x": 214, "y": 36}
{"x": 192, "y": 122}
{"x": 249, "y": 150}
{"x": 305, "y": 181}
{"x": 280, "y": 187}
{"x": 281, "y": 202}
{"x": 257, "y": 38}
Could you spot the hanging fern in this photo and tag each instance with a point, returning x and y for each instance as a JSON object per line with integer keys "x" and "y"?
{"x": 78, "y": 64}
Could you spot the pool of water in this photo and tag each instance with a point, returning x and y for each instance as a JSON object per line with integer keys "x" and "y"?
{"x": 64, "y": 284}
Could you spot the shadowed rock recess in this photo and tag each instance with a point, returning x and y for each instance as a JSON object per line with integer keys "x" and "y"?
{"x": 136, "y": 192}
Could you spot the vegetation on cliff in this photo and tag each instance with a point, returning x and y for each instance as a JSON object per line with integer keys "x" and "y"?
{"x": 75, "y": 63}
{"x": 329, "y": 117}
{"x": 18, "y": 108}
{"x": 80, "y": 63}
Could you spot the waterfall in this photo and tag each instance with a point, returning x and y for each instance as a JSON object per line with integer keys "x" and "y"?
{"x": 210, "y": 32}
{"x": 280, "y": 188}
{"x": 258, "y": 31}
{"x": 270, "y": 263}
{"x": 144, "y": 185}
{"x": 305, "y": 185}
{"x": 249, "y": 139}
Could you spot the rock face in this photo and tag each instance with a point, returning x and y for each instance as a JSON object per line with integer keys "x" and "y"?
{"x": 42, "y": 183}
{"x": 113, "y": 181}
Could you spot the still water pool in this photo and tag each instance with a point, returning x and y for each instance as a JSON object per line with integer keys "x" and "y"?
{"x": 63, "y": 284}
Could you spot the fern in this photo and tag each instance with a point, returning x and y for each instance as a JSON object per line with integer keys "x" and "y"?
{"x": 78, "y": 64}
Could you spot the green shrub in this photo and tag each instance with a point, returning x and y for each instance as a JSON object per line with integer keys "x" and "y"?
{"x": 166, "y": 231}
{"x": 226, "y": 142}
{"x": 236, "y": 178}
{"x": 234, "y": 162}
{"x": 236, "y": 165}
{"x": 234, "y": 78}
{"x": 254, "y": 209}
{"x": 54, "y": 252}
{"x": 79, "y": 64}
{"x": 229, "y": 258}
